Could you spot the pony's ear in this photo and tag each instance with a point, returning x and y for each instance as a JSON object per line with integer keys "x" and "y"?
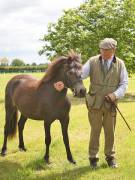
{"x": 71, "y": 56}
{"x": 69, "y": 60}
{"x": 65, "y": 62}
{"x": 74, "y": 56}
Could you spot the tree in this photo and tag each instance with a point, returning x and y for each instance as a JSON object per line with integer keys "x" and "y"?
{"x": 17, "y": 62}
{"x": 33, "y": 64}
{"x": 4, "y": 61}
{"x": 82, "y": 28}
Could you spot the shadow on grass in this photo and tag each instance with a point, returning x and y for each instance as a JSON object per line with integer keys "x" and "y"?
{"x": 69, "y": 174}
{"x": 7, "y": 168}
{"x": 74, "y": 173}
{"x": 11, "y": 170}
{"x": 38, "y": 164}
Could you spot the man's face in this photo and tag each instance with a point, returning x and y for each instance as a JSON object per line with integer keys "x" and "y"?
{"x": 107, "y": 53}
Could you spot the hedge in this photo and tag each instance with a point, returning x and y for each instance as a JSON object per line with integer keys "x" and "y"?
{"x": 17, "y": 69}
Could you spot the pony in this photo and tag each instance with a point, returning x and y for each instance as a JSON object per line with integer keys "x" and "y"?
{"x": 39, "y": 100}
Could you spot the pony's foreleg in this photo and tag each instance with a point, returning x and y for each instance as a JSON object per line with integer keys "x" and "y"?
{"x": 47, "y": 140}
{"x": 64, "y": 125}
{"x": 21, "y": 124}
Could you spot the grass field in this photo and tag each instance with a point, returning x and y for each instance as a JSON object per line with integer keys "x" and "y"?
{"x": 30, "y": 165}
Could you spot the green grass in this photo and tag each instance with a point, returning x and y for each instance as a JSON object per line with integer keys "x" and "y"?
{"x": 30, "y": 165}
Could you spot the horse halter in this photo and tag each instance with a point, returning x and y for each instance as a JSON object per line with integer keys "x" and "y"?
{"x": 71, "y": 83}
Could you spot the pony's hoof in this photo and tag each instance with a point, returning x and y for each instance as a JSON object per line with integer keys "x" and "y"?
{"x": 3, "y": 153}
{"x": 72, "y": 161}
{"x": 22, "y": 149}
{"x": 47, "y": 161}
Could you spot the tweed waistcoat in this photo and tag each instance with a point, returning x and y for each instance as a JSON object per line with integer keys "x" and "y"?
{"x": 101, "y": 85}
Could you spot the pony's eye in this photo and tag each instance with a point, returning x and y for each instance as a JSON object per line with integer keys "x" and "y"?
{"x": 78, "y": 66}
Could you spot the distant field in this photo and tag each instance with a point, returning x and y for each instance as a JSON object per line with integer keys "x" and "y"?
{"x": 30, "y": 165}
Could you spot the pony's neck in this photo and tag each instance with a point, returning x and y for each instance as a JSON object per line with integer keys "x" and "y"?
{"x": 49, "y": 86}
{"x": 44, "y": 84}
{"x": 58, "y": 95}
{"x": 59, "y": 76}
{"x": 57, "y": 79}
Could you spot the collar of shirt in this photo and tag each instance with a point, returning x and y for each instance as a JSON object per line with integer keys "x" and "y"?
{"x": 109, "y": 61}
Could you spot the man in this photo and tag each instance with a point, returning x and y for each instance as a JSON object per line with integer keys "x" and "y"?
{"x": 108, "y": 83}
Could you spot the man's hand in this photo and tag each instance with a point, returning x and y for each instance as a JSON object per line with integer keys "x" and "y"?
{"x": 59, "y": 86}
{"x": 111, "y": 97}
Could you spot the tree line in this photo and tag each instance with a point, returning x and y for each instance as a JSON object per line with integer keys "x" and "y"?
{"x": 18, "y": 65}
{"x": 82, "y": 29}
{"x": 15, "y": 62}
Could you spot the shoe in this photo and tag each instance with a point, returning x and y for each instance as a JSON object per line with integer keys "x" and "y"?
{"x": 93, "y": 162}
{"x": 111, "y": 162}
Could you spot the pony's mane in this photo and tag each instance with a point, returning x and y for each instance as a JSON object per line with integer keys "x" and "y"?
{"x": 53, "y": 68}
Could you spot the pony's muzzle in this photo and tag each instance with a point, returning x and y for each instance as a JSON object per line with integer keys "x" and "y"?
{"x": 82, "y": 92}
{"x": 79, "y": 93}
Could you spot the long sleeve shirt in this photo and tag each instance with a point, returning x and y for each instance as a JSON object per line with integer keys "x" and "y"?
{"x": 123, "y": 84}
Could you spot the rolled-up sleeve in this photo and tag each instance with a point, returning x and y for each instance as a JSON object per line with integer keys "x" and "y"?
{"x": 123, "y": 85}
{"x": 85, "y": 70}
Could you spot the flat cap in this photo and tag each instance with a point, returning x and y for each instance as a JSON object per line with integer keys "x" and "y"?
{"x": 108, "y": 43}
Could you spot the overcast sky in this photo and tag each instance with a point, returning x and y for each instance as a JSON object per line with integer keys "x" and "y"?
{"x": 24, "y": 22}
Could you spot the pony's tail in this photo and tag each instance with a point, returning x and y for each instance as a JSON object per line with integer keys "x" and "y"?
{"x": 11, "y": 117}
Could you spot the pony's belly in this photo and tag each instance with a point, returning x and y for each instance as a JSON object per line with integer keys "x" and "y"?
{"x": 36, "y": 118}
{"x": 43, "y": 111}
{"x": 31, "y": 114}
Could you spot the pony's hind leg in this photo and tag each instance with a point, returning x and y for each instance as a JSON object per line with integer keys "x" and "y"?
{"x": 4, "y": 147}
{"x": 10, "y": 125}
{"x": 21, "y": 124}
{"x": 47, "y": 140}
{"x": 64, "y": 125}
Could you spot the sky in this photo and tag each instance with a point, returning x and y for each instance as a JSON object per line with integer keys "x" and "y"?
{"x": 24, "y": 22}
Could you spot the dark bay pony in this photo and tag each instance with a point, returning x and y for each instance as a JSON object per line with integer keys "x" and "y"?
{"x": 39, "y": 100}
